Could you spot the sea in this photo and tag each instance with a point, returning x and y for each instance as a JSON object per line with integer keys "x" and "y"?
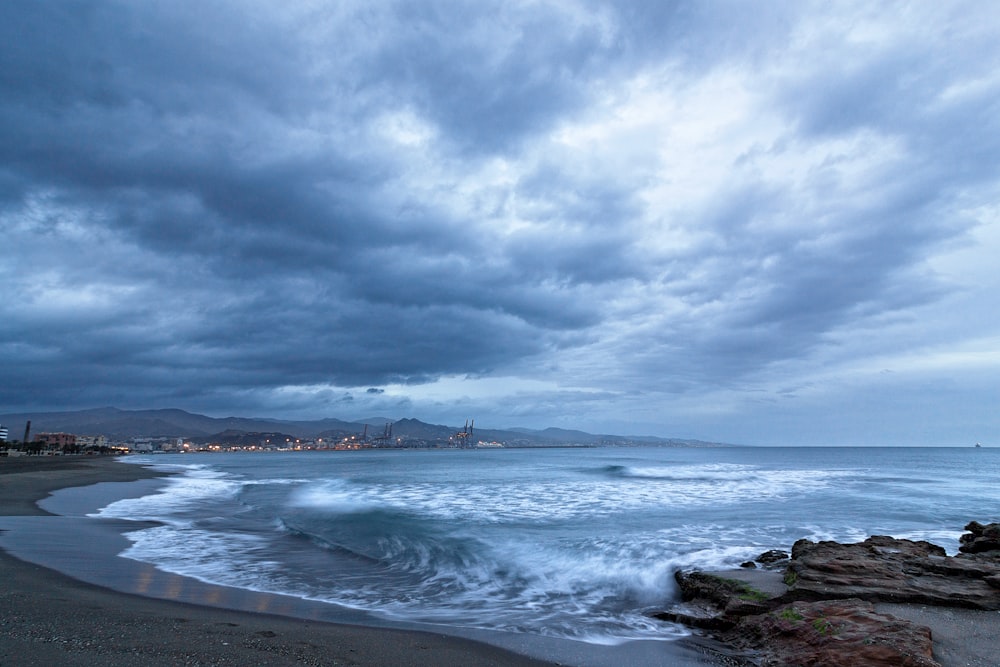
{"x": 575, "y": 543}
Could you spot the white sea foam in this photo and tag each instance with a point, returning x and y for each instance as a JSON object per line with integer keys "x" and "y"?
{"x": 335, "y": 496}
{"x": 158, "y": 463}
{"x": 198, "y": 486}
{"x": 562, "y": 499}
{"x": 564, "y": 588}
{"x": 843, "y": 534}
{"x": 949, "y": 540}
{"x": 563, "y": 593}
{"x": 228, "y": 559}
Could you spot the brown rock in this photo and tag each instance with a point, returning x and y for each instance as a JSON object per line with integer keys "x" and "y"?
{"x": 773, "y": 556}
{"x": 719, "y": 591}
{"x": 840, "y": 633}
{"x": 980, "y": 538}
{"x": 890, "y": 570}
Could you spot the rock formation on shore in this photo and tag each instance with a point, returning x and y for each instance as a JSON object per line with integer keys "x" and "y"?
{"x": 890, "y": 570}
{"x": 824, "y": 614}
{"x": 980, "y": 538}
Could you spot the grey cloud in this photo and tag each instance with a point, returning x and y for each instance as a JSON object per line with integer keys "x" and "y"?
{"x": 768, "y": 294}
{"x": 198, "y": 207}
{"x": 492, "y": 74}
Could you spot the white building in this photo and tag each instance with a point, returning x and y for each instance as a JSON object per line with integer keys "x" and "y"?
{"x": 91, "y": 441}
{"x": 141, "y": 445}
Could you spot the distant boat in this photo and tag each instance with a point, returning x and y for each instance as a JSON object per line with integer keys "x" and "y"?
{"x": 978, "y": 445}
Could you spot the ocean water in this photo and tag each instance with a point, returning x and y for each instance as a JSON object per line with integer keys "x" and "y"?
{"x": 572, "y": 543}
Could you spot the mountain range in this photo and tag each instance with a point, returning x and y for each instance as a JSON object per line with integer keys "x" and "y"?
{"x": 119, "y": 424}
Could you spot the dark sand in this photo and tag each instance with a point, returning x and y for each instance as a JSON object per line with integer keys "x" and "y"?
{"x": 49, "y": 618}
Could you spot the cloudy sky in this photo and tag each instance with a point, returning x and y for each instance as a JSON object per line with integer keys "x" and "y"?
{"x": 753, "y": 222}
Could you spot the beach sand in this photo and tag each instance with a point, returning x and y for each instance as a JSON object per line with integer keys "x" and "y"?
{"x": 48, "y": 618}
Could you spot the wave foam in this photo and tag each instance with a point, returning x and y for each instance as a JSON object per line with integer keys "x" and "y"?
{"x": 191, "y": 491}
{"x": 636, "y": 488}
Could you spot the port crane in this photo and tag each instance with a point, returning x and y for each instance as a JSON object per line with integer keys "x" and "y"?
{"x": 384, "y": 439}
{"x": 464, "y": 437}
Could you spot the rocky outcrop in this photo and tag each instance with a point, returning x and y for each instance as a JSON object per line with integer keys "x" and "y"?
{"x": 769, "y": 559}
{"x": 890, "y": 570}
{"x": 777, "y": 633}
{"x": 823, "y": 614}
{"x": 772, "y": 557}
{"x": 980, "y": 538}
{"x": 713, "y": 602}
{"x": 840, "y": 633}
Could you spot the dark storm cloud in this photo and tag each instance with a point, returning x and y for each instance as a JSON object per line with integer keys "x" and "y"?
{"x": 486, "y": 96}
{"x": 280, "y": 203}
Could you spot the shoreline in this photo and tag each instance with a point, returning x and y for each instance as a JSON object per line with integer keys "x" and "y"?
{"x": 63, "y": 611}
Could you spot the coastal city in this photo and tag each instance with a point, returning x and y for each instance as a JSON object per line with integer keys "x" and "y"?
{"x": 173, "y": 431}
{"x": 60, "y": 443}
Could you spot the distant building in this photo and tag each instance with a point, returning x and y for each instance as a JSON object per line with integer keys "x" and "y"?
{"x": 91, "y": 441}
{"x": 57, "y": 439}
{"x": 172, "y": 444}
{"x": 3, "y": 433}
{"x": 141, "y": 445}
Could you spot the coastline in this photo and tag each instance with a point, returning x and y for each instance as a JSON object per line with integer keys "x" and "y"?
{"x": 49, "y": 617}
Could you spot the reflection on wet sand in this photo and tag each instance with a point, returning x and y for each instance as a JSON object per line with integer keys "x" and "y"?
{"x": 57, "y": 542}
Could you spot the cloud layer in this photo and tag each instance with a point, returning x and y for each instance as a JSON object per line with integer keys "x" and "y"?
{"x": 700, "y": 219}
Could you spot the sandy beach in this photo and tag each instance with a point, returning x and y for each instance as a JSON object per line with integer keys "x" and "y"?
{"x": 49, "y": 618}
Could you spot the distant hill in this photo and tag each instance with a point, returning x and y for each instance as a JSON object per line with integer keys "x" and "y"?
{"x": 374, "y": 421}
{"x": 116, "y": 423}
{"x": 123, "y": 424}
{"x": 562, "y": 435}
{"x": 414, "y": 428}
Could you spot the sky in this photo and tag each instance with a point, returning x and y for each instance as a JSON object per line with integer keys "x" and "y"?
{"x": 772, "y": 223}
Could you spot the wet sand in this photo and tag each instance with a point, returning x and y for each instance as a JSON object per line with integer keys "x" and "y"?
{"x": 49, "y": 618}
